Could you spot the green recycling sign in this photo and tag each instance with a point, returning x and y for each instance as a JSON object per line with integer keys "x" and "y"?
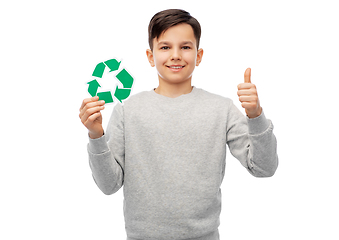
{"x": 123, "y": 76}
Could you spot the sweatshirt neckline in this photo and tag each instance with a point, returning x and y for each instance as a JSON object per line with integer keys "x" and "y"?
{"x": 159, "y": 96}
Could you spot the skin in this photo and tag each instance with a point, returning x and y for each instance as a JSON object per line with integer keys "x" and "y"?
{"x": 175, "y": 47}
{"x": 248, "y": 96}
{"x": 91, "y": 117}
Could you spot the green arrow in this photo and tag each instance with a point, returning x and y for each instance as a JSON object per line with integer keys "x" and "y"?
{"x": 106, "y": 96}
{"x": 93, "y": 87}
{"x": 112, "y": 64}
{"x": 99, "y": 70}
{"x": 125, "y": 78}
{"x": 121, "y": 94}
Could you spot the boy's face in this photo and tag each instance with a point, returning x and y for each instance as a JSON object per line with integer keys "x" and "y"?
{"x": 175, "y": 54}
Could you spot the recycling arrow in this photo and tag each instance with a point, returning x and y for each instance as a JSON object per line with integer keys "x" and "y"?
{"x": 123, "y": 76}
{"x": 106, "y": 96}
{"x": 93, "y": 87}
{"x": 99, "y": 70}
{"x": 112, "y": 64}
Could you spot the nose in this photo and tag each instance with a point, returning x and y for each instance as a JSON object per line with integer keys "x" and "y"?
{"x": 176, "y": 54}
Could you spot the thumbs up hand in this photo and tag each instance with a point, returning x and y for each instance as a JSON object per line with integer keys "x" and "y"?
{"x": 248, "y": 96}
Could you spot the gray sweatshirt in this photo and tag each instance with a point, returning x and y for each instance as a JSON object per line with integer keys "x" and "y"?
{"x": 169, "y": 154}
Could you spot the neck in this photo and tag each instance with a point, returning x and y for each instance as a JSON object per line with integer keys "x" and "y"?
{"x": 173, "y": 90}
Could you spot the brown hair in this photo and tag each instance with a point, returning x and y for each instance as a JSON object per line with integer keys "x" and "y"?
{"x": 168, "y": 18}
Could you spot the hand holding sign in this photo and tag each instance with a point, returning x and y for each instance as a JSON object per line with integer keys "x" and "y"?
{"x": 91, "y": 117}
{"x": 248, "y": 96}
{"x": 90, "y": 110}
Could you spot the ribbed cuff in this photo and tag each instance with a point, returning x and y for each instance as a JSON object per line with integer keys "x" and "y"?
{"x": 98, "y": 145}
{"x": 258, "y": 125}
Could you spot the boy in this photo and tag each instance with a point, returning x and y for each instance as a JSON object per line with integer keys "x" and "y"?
{"x": 167, "y": 146}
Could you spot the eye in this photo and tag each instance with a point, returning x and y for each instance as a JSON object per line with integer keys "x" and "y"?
{"x": 164, "y": 48}
{"x": 186, "y": 47}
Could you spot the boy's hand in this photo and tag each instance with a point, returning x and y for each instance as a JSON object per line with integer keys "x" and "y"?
{"x": 248, "y": 96}
{"x": 90, "y": 116}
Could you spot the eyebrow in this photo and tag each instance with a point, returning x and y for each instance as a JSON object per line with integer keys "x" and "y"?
{"x": 168, "y": 43}
{"x": 187, "y": 42}
{"x": 163, "y": 42}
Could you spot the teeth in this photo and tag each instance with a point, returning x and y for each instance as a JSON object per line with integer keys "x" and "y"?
{"x": 176, "y": 67}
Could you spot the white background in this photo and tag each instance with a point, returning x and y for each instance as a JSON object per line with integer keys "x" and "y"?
{"x": 48, "y": 52}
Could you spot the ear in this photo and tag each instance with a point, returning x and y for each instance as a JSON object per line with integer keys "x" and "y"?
{"x": 199, "y": 56}
{"x": 150, "y": 57}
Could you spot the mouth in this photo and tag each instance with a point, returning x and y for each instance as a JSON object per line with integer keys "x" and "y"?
{"x": 175, "y": 67}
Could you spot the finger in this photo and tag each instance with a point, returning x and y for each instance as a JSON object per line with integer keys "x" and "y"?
{"x": 246, "y": 105}
{"x": 92, "y": 118}
{"x": 247, "y": 92}
{"x": 90, "y": 105}
{"x": 88, "y": 100}
{"x": 93, "y": 104}
{"x": 90, "y": 112}
{"x": 86, "y": 119}
{"x": 247, "y": 75}
{"x": 249, "y": 106}
{"x": 251, "y": 99}
{"x": 245, "y": 86}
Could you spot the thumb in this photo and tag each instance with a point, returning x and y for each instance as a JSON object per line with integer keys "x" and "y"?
{"x": 247, "y": 75}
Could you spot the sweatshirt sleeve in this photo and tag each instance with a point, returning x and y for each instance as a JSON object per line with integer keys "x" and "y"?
{"x": 107, "y": 154}
{"x": 252, "y": 142}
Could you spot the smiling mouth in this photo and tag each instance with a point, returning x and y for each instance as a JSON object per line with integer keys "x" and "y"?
{"x": 176, "y": 67}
